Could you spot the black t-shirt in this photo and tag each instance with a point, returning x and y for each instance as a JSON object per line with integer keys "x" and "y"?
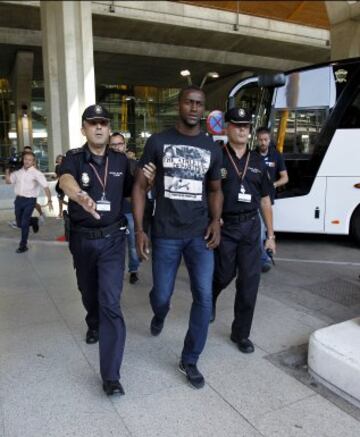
{"x": 274, "y": 162}
{"x": 119, "y": 184}
{"x": 184, "y": 164}
{"x": 256, "y": 182}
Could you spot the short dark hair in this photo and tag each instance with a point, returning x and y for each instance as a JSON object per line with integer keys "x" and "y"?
{"x": 263, "y": 130}
{"x": 28, "y": 153}
{"x": 189, "y": 88}
{"x": 118, "y": 134}
{"x": 27, "y": 147}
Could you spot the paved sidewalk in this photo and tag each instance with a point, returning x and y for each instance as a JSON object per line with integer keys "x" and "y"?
{"x": 49, "y": 378}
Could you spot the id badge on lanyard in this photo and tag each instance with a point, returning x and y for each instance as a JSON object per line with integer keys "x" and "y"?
{"x": 102, "y": 205}
{"x": 243, "y": 196}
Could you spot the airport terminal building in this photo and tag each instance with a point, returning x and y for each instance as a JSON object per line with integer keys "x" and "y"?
{"x": 58, "y": 57}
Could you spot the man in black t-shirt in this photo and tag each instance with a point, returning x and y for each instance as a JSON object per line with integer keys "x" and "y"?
{"x": 186, "y": 221}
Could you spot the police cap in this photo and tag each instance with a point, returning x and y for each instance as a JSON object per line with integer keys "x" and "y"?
{"x": 238, "y": 116}
{"x": 95, "y": 112}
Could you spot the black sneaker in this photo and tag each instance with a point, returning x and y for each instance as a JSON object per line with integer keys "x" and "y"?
{"x": 92, "y": 336}
{"x": 133, "y": 277}
{"x": 265, "y": 267}
{"x": 113, "y": 387}
{"x": 245, "y": 345}
{"x": 21, "y": 249}
{"x": 192, "y": 374}
{"x": 35, "y": 224}
{"x": 156, "y": 326}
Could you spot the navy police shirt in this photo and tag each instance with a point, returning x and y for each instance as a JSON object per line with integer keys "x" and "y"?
{"x": 274, "y": 162}
{"x": 119, "y": 184}
{"x": 184, "y": 164}
{"x": 256, "y": 182}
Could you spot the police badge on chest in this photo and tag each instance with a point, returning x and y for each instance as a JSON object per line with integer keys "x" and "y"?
{"x": 85, "y": 180}
{"x": 243, "y": 196}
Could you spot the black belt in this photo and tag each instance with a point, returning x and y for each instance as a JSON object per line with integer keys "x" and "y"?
{"x": 97, "y": 233}
{"x": 240, "y": 217}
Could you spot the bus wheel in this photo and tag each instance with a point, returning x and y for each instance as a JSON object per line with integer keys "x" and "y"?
{"x": 355, "y": 225}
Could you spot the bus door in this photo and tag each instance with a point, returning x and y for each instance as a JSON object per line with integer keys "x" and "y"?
{"x": 299, "y": 112}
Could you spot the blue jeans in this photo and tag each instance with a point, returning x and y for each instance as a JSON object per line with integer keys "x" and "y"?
{"x": 133, "y": 259}
{"x": 166, "y": 257}
{"x": 265, "y": 259}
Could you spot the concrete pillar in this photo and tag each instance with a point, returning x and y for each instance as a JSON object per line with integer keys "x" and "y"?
{"x": 68, "y": 71}
{"x": 21, "y": 83}
{"x": 345, "y": 28}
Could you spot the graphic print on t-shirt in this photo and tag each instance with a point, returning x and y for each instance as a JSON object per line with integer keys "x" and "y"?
{"x": 184, "y": 171}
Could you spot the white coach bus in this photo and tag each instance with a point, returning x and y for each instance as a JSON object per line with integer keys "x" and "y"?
{"x": 314, "y": 117}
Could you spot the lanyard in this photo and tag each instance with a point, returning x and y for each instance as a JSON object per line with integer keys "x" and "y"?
{"x": 238, "y": 172}
{"x": 102, "y": 183}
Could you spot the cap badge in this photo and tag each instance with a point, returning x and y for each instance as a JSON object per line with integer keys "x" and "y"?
{"x": 98, "y": 109}
{"x": 241, "y": 113}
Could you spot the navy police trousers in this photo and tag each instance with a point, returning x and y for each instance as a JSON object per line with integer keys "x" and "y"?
{"x": 99, "y": 266}
{"x": 24, "y": 207}
{"x": 239, "y": 255}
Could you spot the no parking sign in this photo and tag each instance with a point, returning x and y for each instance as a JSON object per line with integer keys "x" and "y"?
{"x": 215, "y": 123}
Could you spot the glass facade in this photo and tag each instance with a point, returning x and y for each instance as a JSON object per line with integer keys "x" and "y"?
{"x": 8, "y": 134}
{"x": 139, "y": 111}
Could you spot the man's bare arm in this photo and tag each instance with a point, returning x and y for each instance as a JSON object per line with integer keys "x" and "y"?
{"x": 283, "y": 179}
{"x": 138, "y": 200}
{"x": 215, "y": 200}
{"x": 72, "y": 189}
{"x": 266, "y": 212}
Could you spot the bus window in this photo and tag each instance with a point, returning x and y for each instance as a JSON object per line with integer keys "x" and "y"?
{"x": 351, "y": 117}
{"x": 257, "y": 101}
{"x": 302, "y": 128}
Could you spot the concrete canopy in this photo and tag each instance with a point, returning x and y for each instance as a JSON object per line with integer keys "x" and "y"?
{"x": 136, "y": 48}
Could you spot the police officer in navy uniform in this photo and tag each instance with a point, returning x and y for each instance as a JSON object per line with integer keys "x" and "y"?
{"x": 96, "y": 179}
{"x": 246, "y": 188}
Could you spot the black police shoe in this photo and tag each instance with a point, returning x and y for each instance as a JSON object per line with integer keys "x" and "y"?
{"x": 92, "y": 336}
{"x": 21, "y": 249}
{"x": 244, "y": 344}
{"x": 192, "y": 374}
{"x": 156, "y": 326}
{"x": 113, "y": 387}
{"x": 35, "y": 225}
{"x": 133, "y": 277}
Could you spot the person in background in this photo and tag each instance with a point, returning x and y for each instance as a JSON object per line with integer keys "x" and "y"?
{"x": 27, "y": 182}
{"x": 278, "y": 177}
{"x": 37, "y": 205}
{"x": 118, "y": 143}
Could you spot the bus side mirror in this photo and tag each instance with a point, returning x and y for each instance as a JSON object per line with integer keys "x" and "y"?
{"x": 271, "y": 80}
